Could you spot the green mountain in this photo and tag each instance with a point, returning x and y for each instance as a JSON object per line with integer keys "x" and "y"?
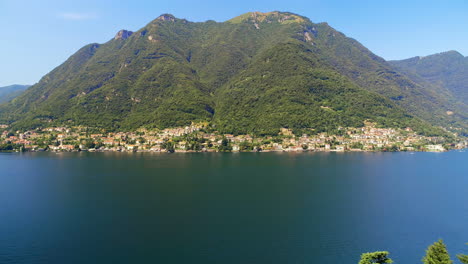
{"x": 7, "y": 93}
{"x": 448, "y": 70}
{"x": 254, "y": 73}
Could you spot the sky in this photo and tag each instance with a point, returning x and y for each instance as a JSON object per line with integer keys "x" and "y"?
{"x": 37, "y": 36}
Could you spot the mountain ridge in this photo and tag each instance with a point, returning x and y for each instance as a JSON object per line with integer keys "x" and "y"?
{"x": 448, "y": 70}
{"x": 8, "y": 93}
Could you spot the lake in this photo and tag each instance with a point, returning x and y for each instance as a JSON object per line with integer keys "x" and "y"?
{"x": 230, "y": 208}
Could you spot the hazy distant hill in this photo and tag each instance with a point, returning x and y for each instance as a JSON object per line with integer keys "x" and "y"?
{"x": 252, "y": 74}
{"x": 447, "y": 69}
{"x": 7, "y": 93}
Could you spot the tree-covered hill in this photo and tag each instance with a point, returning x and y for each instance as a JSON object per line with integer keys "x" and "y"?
{"x": 254, "y": 73}
{"x": 448, "y": 70}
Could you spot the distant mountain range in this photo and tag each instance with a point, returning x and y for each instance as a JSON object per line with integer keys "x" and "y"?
{"x": 7, "y": 93}
{"x": 447, "y": 70}
{"x": 252, "y": 74}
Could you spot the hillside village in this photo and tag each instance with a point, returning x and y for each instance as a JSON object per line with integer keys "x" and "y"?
{"x": 195, "y": 138}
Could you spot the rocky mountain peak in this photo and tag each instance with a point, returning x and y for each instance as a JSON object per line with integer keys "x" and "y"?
{"x": 123, "y": 34}
{"x": 166, "y": 17}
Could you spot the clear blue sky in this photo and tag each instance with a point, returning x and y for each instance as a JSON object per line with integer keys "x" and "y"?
{"x": 37, "y": 36}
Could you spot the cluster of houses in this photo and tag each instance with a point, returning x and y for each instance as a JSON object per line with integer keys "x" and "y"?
{"x": 367, "y": 138}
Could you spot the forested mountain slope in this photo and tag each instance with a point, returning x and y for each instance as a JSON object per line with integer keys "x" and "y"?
{"x": 448, "y": 70}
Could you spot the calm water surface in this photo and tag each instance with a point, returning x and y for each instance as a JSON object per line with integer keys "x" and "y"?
{"x": 230, "y": 208}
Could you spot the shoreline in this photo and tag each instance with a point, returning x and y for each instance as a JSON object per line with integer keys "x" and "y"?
{"x": 194, "y": 139}
{"x": 216, "y": 151}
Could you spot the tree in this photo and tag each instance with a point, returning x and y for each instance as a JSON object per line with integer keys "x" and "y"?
{"x": 245, "y": 146}
{"x": 6, "y": 147}
{"x": 437, "y": 254}
{"x": 375, "y": 257}
{"x": 169, "y": 146}
{"x": 356, "y": 145}
{"x": 463, "y": 258}
{"x": 225, "y": 145}
{"x": 89, "y": 144}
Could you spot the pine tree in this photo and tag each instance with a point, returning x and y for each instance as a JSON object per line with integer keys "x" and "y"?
{"x": 379, "y": 257}
{"x": 437, "y": 254}
{"x": 463, "y": 258}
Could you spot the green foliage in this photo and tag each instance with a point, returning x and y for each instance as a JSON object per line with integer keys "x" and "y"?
{"x": 392, "y": 148}
{"x": 356, "y": 145}
{"x": 375, "y": 257}
{"x": 7, "y": 147}
{"x": 194, "y": 143}
{"x": 448, "y": 68}
{"x": 437, "y": 254}
{"x": 169, "y": 146}
{"x": 463, "y": 258}
{"x": 225, "y": 145}
{"x": 246, "y": 146}
{"x": 288, "y": 86}
{"x": 446, "y": 74}
{"x": 89, "y": 144}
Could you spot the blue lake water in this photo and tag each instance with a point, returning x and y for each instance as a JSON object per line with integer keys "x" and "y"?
{"x": 230, "y": 208}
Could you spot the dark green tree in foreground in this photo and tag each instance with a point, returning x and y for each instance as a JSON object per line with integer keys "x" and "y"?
{"x": 375, "y": 257}
{"x": 437, "y": 254}
{"x": 463, "y": 258}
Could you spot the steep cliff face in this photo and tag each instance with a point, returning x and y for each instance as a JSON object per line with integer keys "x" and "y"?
{"x": 256, "y": 72}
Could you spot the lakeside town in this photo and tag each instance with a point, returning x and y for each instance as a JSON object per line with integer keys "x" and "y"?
{"x": 195, "y": 138}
